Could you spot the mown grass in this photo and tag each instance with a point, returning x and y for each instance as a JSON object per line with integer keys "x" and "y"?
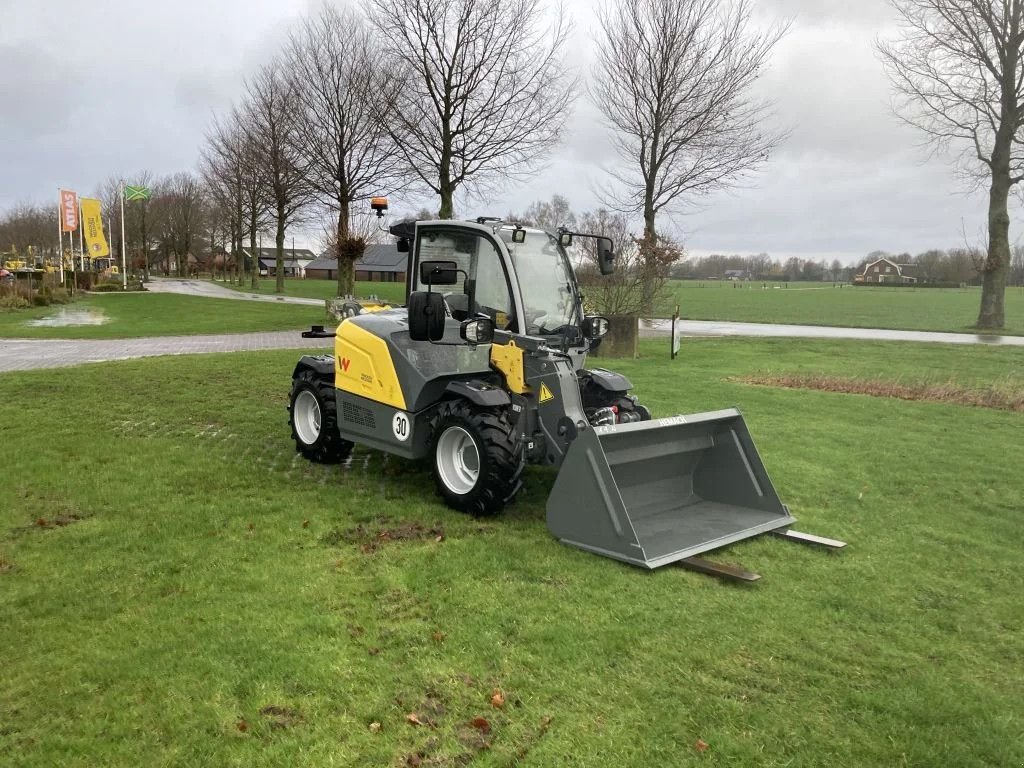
{"x": 921, "y": 309}
{"x": 323, "y": 289}
{"x": 207, "y": 601}
{"x": 161, "y": 314}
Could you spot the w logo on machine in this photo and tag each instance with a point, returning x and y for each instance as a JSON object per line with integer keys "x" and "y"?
{"x": 345, "y": 362}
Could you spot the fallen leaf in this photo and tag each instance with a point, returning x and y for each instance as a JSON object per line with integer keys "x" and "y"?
{"x": 41, "y": 522}
{"x": 414, "y": 719}
{"x": 438, "y": 637}
{"x": 701, "y": 745}
{"x": 439, "y": 538}
{"x": 374, "y": 727}
{"x": 497, "y": 699}
{"x": 242, "y": 726}
{"x": 305, "y": 523}
{"x": 414, "y": 761}
{"x": 545, "y": 723}
{"x": 481, "y": 724}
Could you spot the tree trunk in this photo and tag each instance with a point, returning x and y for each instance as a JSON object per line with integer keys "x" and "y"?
{"x": 346, "y": 271}
{"x": 254, "y": 268}
{"x": 993, "y": 287}
{"x": 651, "y": 238}
{"x": 447, "y": 210}
{"x": 280, "y": 251}
{"x": 445, "y": 186}
{"x": 145, "y": 245}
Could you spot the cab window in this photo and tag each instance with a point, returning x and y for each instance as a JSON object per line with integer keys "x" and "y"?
{"x": 478, "y": 257}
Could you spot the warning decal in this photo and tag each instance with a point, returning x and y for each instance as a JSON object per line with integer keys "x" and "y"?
{"x": 545, "y": 394}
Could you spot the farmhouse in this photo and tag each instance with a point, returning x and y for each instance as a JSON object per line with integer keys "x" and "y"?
{"x": 380, "y": 262}
{"x": 295, "y": 261}
{"x": 887, "y": 271}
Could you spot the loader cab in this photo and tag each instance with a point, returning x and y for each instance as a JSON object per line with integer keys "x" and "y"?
{"x": 486, "y": 282}
{"x": 521, "y": 278}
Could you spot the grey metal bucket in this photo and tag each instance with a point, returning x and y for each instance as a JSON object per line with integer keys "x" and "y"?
{"x": 659, "y": 491}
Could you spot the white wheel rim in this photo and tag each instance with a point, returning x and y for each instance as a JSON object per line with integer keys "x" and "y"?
{"x": 306, "y": 417}
{"x": 458, "y": 460}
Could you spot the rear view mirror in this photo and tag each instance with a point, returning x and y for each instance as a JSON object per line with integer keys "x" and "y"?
{"x": 426, "y": 316}
{"x": 565, "y": 239}
{"x": 439, "y": 272}
{"x": 605, "y": 256}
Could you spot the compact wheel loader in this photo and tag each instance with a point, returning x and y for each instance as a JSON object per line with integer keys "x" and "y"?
{"x": 484, "y": 371}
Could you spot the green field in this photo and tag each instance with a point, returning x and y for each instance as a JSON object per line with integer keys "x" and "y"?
{"x": 160, "y": 314}
{"x": 323, "y": 289}
{"x": 922, "y": 309}
{"x": 177, "y": 588}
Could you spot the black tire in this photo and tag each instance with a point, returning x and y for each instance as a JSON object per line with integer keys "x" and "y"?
{"x": 317, "y": 442}
{"x": 498, "y": 452}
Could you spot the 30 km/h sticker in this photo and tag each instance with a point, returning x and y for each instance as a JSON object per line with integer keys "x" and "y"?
{"x": 401, "y": 427}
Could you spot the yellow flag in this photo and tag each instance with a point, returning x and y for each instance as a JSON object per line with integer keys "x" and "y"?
{"x": 92, "y": 219}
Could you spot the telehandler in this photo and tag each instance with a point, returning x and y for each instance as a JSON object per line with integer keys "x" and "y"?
{"x": 484, "y": 371}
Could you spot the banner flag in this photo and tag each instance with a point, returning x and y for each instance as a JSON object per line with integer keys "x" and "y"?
{"x": 137, "y": 193}
{"x": 68, "y": 211}
{"x": 92, "y": 220}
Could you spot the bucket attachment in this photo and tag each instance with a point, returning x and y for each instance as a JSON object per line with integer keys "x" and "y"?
{"x": 656, "y": 492}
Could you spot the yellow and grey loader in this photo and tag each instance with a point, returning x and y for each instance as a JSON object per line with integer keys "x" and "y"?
{"x": 483, "y": 371}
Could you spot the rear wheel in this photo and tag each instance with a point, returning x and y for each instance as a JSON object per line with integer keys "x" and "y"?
{"x": 313, "y": 417}
{"x": 478, "y": 458}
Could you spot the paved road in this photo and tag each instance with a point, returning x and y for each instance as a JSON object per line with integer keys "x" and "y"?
{"x": 717, "y": 328}
{"x": 24, "y": 354}
{"x": 214, "y": 291}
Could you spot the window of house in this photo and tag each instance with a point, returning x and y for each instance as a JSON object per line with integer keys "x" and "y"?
{"x": 876, "y": 270}
{"x": 888, "y": 270}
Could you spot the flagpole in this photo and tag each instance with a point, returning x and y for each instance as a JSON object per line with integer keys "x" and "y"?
{"x": 81, "y": 235}
{"x": 124, "y": 268}
{"x": 60, "y": 241}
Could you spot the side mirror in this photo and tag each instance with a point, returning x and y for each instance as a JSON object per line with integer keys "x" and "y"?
{"x": 594, "y": 327}
{"x": 439, "y": 272}
{"x": 402, "y": 246}
{"x": 565, "y": 239}
{"x": 478, "y": 331}
{"x": 426, "y": 316}
{"x": 518, "y": 235}
{"x": 605, "y": 256}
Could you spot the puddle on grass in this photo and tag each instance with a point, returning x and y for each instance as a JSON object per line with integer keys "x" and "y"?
{"x": 67, "y": 316}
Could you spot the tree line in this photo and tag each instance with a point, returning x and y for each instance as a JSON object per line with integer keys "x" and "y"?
{"x": 961, "y": 266}
{"x": 445, "y": 99}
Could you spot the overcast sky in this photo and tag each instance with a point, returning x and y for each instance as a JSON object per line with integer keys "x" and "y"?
{"x": 90, "y": 90}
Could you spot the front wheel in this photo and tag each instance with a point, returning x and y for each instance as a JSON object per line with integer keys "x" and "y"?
{"x": 313, "y": 417}
{"x": 478, "y": 458}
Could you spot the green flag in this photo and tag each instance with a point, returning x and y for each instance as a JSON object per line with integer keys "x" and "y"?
{"x": 137, "y": 193}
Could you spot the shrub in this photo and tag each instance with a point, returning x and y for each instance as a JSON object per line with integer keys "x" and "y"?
{"x": 12, "y": 301}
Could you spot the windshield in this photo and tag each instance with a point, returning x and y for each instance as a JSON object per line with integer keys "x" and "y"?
{"x": 546, "y": 282}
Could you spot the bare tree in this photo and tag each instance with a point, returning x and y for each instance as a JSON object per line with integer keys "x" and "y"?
{"x": 483, "y": 92}
{"x": 271, "y": 114}
{"x": 346, "y": 158}
{"x": 958, "y": 70}
{"x": 675, "y": 81}
{"x": 185, "y": 217}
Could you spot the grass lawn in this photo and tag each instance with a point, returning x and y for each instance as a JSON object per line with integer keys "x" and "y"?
{"x": 161, "y": 314}
{"x": 177, "y": 588}
{"x": 323, "y": 289}
{"x": 922, "y": 309}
